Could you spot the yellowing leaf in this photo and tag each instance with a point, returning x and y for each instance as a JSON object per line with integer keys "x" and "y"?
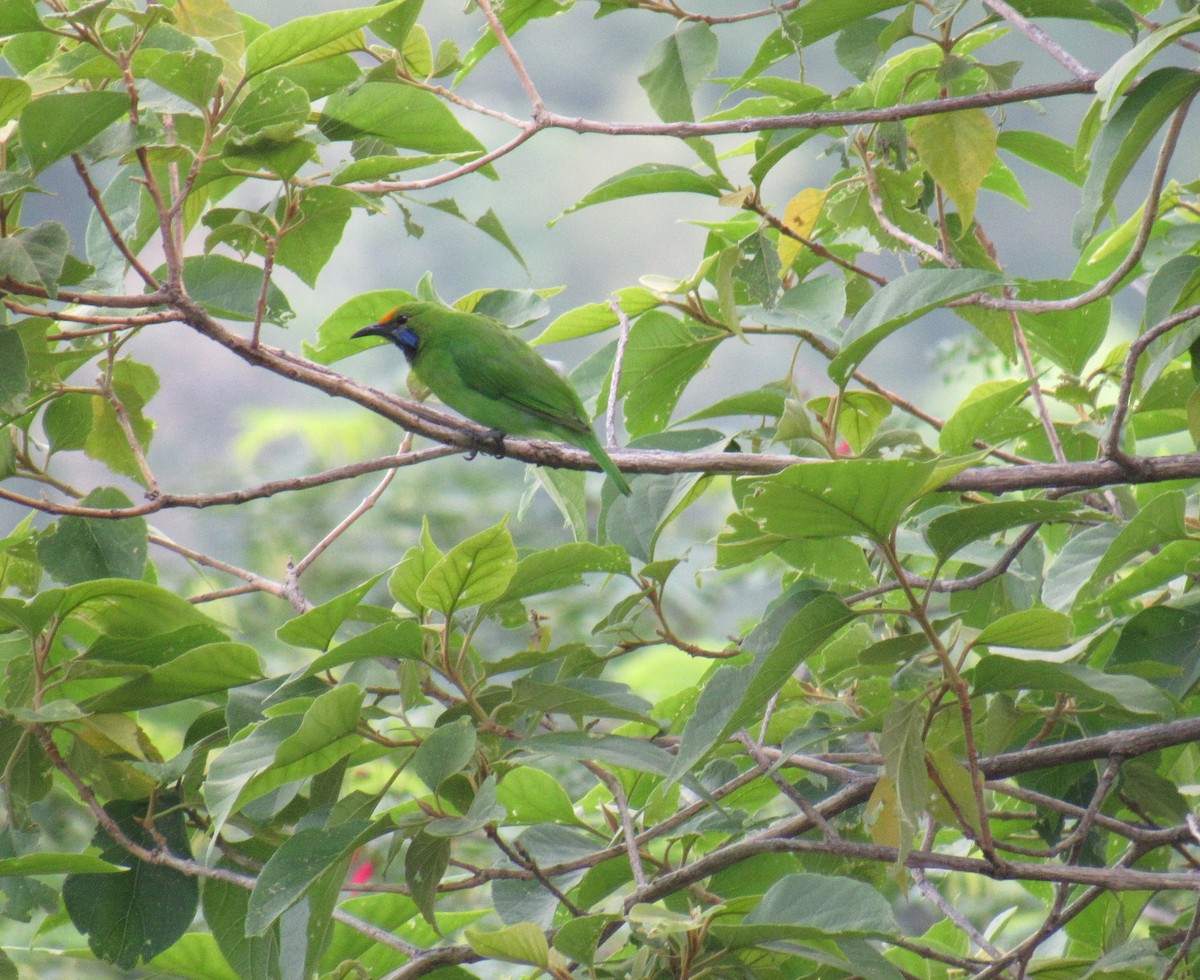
{"x": 883, "y": 814}
{"x": 957, "y": 149}
{"x": 800, "y": 216}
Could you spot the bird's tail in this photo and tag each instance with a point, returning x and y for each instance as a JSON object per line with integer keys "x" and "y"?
{"x": 592, "y": 445}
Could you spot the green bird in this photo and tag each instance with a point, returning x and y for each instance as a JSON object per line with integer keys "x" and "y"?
{"x": 482, "y": 369}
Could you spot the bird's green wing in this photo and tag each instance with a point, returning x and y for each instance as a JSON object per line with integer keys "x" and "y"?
{"x": 498, "y": 365}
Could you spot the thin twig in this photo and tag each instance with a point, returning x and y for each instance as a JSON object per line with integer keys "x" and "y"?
{"x": 1116, "y": 425}
{"x": 93, "y": 193}
{"x": 614, "y": 388}
{"x": 949, "y": 909}
{"x": 1040, "y": 38}
{"x": 254, "y": 582}
{"x": 535, "y": 100}
{"x": 364, "y": 505}
{"x": 755, "y": 751}
{"x": 628, "y": 831}
{"x": 1086, "y": 822}
{"x": 104, "y": 383}
{"x": 1185, "y": 947}
{"x": 965, "y": 584}
{"x": 1107, "y": 285}
{"x": 912, "y": 241}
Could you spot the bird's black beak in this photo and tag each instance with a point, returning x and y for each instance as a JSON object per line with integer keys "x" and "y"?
{"x": 380, "y": 329}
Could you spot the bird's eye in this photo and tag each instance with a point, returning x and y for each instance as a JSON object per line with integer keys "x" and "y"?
{"x": 401, "y": 319}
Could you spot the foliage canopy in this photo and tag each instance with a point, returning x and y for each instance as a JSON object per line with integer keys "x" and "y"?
{"x": 954, "y": 733}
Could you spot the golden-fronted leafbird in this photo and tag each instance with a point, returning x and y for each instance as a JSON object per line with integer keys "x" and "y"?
{"x": 482, "y": 369}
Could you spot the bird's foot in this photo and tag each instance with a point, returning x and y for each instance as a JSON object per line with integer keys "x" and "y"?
{"x": 491, "y": 442}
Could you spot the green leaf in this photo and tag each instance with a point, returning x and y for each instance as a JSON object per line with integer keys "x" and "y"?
{"x": 1125, "y": 137}
{"x": 514, "y": 14}
{"x": 675, "y": 66}
{"x": 562, "y": 567}
{"x": 84, "y": 548}
{"x": 482, "y": 811}
{"x": 192, "y": 74}
{"x": 646, "y": 178}
{"x": 578, "y": 938}
{"x": 807, "y": 907}
{"x": 903, "y": 744}
{"x": 567, "y": 491}
{"x": 121, "y": 607}
{"x": 758, "y": 270}
{"x": 301, "y": 861}
{"x": 425, "y": 862}
{"x": 56, "y": 125}
{"x": 1070, "y": 338}
{"x": 312, "y": 38}
{"x": 36, "y": 255}
{"x": 14, "y": 366}
{"x": 816, "y": 304}
{"x": 860, "y": 415}
{"x": 900, "y": 302}
{"x": 830, "y": 500}
{"x": 131, "y": 917}
{"x": 53, "y": 863}
{"x": 594, "y": 317}
{"x": 1172, "y": 560}
{"x": 17, "y": 16}
{"x": 67, "y": 420}
{"x": 1087, "y": 685}
{"x": 767, "y": 402}
{"x": 201, "y": 671}
{"x": 230, "y": 289}
{"x": 315, "y": 628}
{"x": 579, "y": 697}
{"x": 616, "y": 750}
{"x": 220, "y": 25}
{"x": 398, "y": 114}
{"x": 521, "y": 943}
{"x": 1162, "y": 636}
{"x": 472, "y": 573}
{"x": 663, "y": 355}
{"x": 1161, "y": 520}
{"x": 858, "y": 46}
{"x": 532, "y": 796}
{"x": 987, "y": 414}
{"x": 958, "y": 149}
{"x": 1042, "y": 151}
{"x": 1075, "y": 565}
{"x": 1028, "y": 629}
{"x": 274, "y": 110}
{"x": 196, "y": 956}
{"x": 412, "y": 570}
{"x": 951, "y": 532}
{"x": 224, "y": 905}
{"x": 14, "y": 96}
{"x": 283, "y": 749}
{"x": 393, "y": 27}
{"x": 796, "y": 625}
{"x": 402, "y": 640}
{"x": 1117, "y": 80}
{"x": 444, "y": 752}
{"x": 135, "y": 385}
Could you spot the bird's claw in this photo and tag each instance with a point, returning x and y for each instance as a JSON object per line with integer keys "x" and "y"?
{"x": 491, "y": 442}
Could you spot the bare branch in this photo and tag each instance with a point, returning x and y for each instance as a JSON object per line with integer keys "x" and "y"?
{"x": 506, "y": 44}
{"x": 1040, "y": 38}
